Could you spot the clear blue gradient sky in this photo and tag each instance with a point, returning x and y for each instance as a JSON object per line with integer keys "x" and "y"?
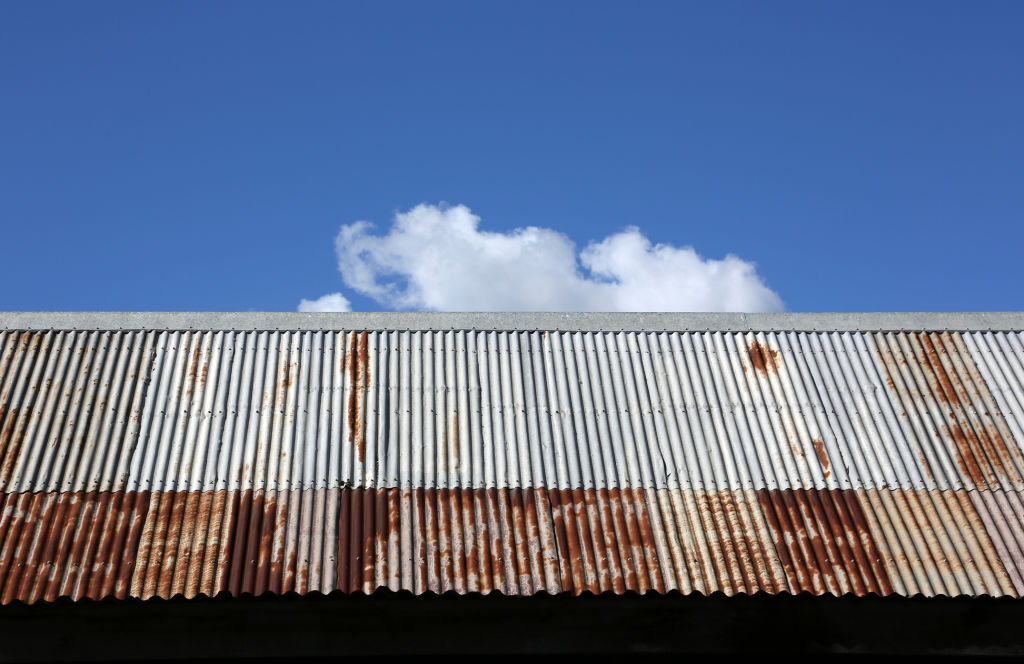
{"x": 867, "y": 156}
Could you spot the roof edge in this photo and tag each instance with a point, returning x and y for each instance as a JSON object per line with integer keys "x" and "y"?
{"x": 561, "y": 321}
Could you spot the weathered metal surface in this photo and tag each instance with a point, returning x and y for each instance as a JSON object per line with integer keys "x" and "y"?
{"x": 156, "y": 463}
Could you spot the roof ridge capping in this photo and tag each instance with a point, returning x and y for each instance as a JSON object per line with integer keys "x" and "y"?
{"x": 550, "y": 321}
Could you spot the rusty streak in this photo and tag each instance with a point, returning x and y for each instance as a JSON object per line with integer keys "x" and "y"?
{"x": 358, "y": 369}
{"x": 819, "y": 450}
{"x": 763, "y": 358}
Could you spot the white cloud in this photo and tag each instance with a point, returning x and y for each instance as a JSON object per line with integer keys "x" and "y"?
{"x": 437, "y": 258}
{"x": 329, "y": 302}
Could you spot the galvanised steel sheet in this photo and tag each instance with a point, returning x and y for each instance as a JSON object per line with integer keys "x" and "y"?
{"x": 154, "y": 462}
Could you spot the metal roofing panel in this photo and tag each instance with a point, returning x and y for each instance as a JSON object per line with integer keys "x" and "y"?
{"x": 156, "y": 462}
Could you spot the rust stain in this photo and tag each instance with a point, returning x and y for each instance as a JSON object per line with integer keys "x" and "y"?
{"x": 587, "y": 531}
{"x": 87, "y": 544}
{"x": 480, "y": 555}
{"x": 344, "y": 527}
{"x": 419, "y": 541}
{"x": 947, "y": 393}
{"x": 534, "y": 539}
{"x": 276, "y": 549}
{"x": 977, "y": 446}
{"x": 785, "y": 536}
{"x": 383, "y": 525}
{"x": 551, "y": 549}
{"x": 217, "y": 560}
{"x": 749, "y": 562}
{"x": 368, "y": 502}
{"x": 105, "y": 561}
{"x": 969, "y": 456}
{"x": 724, "y": 568}
{"x": 15, "y": 553}
{"x": 648, "y": 543}
{"x": 819, "y": 450}
{"x": 262, "y": 538}
{"x": 616, "y": 541}
{"x": 198, "y": 577}
{"x": 169, "y": 527}
{"x": 243, "y": 507}
{"x": 763, "y": 358}
{"x": 393, "y": 569}
{"x": 458, "y": 570}
{"x": 132, "y": 534}
{"x": 561, "y": 549}
{"x": 521, "y": 545}
{"x": 823, "y": 541}
{"x": 468, "y": 508}
{"x": 870, "y": 555}
{"x": 492, "y": 536}
{"x": 430, "y": 536}
{"x": 983, "y": 455}
{"x": 455, "y": 437}
{"x": 358, "y": 366}
{"x": 14, "y": 423}
{"x": 287, "y": 376}
{"x": 67, "y": 544}
{"x": 182, "y": 539}
{"x": 445, "y": 542}
{"x": 193, "y": 369}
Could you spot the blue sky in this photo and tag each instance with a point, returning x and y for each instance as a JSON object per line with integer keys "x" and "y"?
{"x": 864, "y": 156}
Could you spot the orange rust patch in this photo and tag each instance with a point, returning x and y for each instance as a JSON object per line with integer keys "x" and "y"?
{"x": 982, "y": 455}
{"x": 819, "y": 450}
{"x": 359, "y": 377}
{"x": 823, "y": 541}
{"x": 68, "y": 544}
{"x": 520, "y": 541}
{"x": 969, "y": 450}
{"x": 763, "y": 358}
{"x": 975, "y": 442}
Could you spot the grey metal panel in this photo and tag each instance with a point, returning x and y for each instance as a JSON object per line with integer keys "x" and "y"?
{"x": 277, "y": 410}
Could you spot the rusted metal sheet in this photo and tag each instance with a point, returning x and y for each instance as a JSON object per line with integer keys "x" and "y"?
{"x": 141, "y": 463}
{"x": 818, "y": 541}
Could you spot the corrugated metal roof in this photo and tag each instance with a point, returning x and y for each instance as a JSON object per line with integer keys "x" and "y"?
{"x": 137, "y": 462}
